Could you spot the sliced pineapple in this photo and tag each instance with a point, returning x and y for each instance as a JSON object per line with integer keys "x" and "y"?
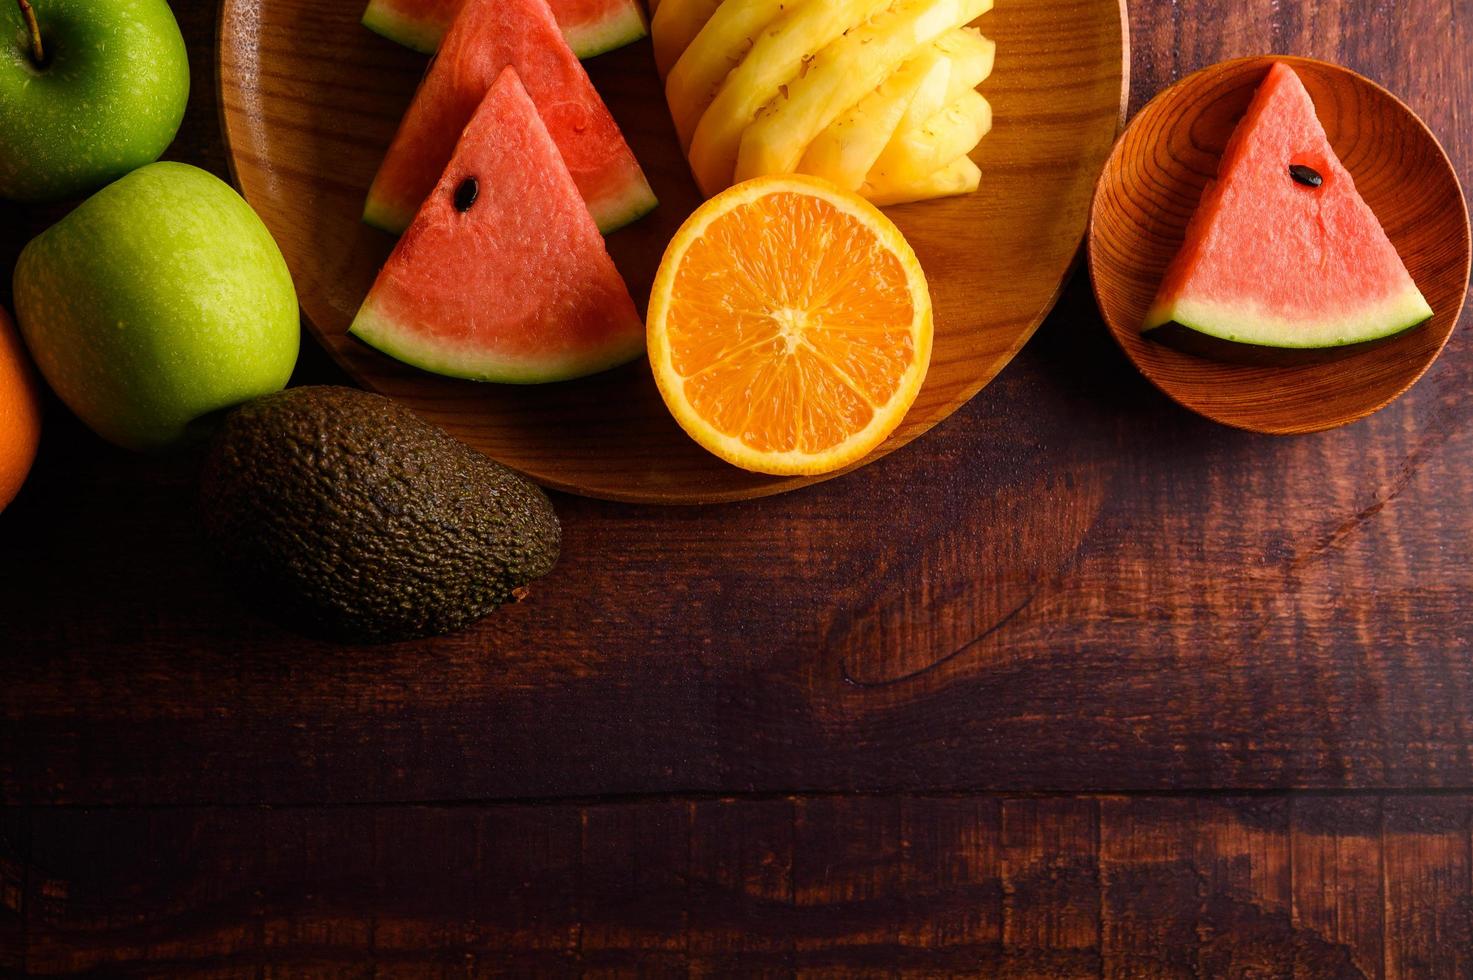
{"x": 961, "y": 176}
{"x": 954, "y": 131}
{"x": 971, "y": 56}
{"x": 846, "y": 150}
{"x": 778, "y": 60}
{"x": 930, "y": 98}
{"x": 836, "y": 78}
{"x": 717, "y": 48}
{"x": 673, "y": 25}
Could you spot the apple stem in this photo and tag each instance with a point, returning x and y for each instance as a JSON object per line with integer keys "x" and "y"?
{"x": 38, "y": 53}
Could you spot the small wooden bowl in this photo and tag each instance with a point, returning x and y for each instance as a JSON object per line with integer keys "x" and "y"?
{"x": 1150, "y": 189}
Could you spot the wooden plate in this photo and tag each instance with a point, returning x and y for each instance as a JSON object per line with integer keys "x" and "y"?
{"x": 1150, "y": 189}
{"x": 310, "y": 100}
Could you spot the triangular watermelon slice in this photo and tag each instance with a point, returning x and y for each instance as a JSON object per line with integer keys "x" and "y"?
{"x": 488, "y": 36}
{"x": 1283, "y": 253}
{"x": 503, "y": 276}
{"x": 591, "y": 26}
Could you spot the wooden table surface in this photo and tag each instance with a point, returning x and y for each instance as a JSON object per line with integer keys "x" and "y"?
{"x": 1076, "y": 684}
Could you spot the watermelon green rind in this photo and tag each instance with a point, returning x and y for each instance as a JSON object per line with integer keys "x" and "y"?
{"x": 614, "y": 215}
{"x": 377, "y": 213}
{"x": 388, "y": 336}
{"x": 1190, "y": 340}
{"x": 1237, "y": 325}
{"x": 623, "y": 24}
{"x": 386, "y": 21}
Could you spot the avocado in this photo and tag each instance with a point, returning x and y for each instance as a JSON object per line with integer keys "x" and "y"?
{"x": 351, "y": 517}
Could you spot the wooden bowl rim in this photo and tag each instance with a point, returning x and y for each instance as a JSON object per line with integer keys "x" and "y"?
{"x": 1195, "y": 78}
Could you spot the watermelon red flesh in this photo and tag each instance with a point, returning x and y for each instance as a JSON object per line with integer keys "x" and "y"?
{"x": 590, "y": 26}
{"x": 519, "y": 286}
{"x": 1271, "y": 262}
{"x": 487, "y": 36}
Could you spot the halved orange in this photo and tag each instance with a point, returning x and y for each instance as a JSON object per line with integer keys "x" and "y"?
{"x": 789, "y": 326}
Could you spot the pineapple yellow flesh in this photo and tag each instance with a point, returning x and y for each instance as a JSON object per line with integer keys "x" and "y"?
{"x": 961, "y": 176}
{"x": 720, "y": 46}
{"x": 846, "y": 150}
{"x": 673, "y": 25}
{"x": 950, "y": 133}
{"x": 834, "y": 80}
{"x": 971, "y": 56}
{"x": 778, "y": 60}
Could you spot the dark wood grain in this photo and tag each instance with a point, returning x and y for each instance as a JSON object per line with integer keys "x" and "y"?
{"x": 1149, "y": 888}
{"x": 1336, "y": 857}
{"x": 1429, "y": 913}
{"x": 740, "y": 893}
{"x": 826, "y": 887}
{"x": 15, "y": 846}
{"x": 1051, "y": 884}
{"x": 1070, "y": 584}
{"x": 1116, "y": 637}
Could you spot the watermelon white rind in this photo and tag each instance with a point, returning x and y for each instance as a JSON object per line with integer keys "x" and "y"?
{"x": 404, "y": 344}
{"x": 421, "y": 24}
{"x": 623, "y": 25}
{"x": 378, "y": 213}
{"x": 1239, "y": 325}
{"x": 639, "y": 202}
{"x": 1193, "y": 339}
{"x": 385, "y": 20}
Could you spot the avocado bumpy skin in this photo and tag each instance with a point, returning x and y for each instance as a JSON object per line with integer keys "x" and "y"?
{"x": 353, "y": 518}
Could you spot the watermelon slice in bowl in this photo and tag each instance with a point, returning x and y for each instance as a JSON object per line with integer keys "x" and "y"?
{"x": 1283, "y": 254}
{"x": 590, "y": 26}
{"x": 503, "y": 275}
{"x": 487, "y": 37}
{"x": 1161, "y": 169}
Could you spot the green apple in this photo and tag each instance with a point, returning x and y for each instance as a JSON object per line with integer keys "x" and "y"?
{"x": 160, "y": 300}
{"x": 106, "y": 97}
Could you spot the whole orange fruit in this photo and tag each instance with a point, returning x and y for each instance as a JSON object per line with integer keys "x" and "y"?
{"x": 20, "y": 412}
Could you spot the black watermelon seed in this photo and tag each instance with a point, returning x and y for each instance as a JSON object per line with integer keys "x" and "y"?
{"x": 1308, "y": 176}
{"x": 465, "y": 194}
